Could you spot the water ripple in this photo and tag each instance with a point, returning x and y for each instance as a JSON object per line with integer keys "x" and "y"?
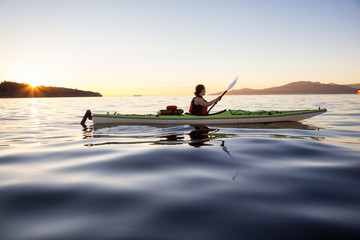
{"x": 254, "y": 181}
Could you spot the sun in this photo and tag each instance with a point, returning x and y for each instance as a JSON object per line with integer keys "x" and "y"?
{"x": 35, "y": 75}
{"x": 33, "y": 81}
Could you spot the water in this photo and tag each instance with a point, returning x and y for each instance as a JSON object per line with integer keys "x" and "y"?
{"x": 59, "y": 180}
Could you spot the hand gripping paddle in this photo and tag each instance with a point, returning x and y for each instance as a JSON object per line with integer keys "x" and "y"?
{"x": 230, "y": 87}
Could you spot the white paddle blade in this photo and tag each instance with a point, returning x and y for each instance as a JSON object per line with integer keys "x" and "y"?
{"x": 232, "y": 84}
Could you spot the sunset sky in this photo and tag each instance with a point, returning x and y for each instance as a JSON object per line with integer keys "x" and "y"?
{"x": 166, "y": 47}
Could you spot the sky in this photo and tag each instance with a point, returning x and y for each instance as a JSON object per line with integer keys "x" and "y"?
{"x": 167, "y": 47}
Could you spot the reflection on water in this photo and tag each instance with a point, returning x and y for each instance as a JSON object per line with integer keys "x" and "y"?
{"x": 194, "y": 135}
{"x": 200, "y": 135}
{"x": 274, "y": 125}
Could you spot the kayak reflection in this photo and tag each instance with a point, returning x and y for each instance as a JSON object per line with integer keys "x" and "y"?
{"x": 196, "y": 136}
{"x": 272, "y": 125}
{"x": 200, "y": 135}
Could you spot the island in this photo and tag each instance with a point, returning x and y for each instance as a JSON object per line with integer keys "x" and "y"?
{"x": 23, "y": 90}
{"x": 301, "y": 87}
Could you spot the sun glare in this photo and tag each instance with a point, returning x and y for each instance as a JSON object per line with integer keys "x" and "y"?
{"x": 33, "y": 81}
{"x": 35, "y": 75}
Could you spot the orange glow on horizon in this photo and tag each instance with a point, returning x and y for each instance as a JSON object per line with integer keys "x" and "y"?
{"x": 31, "y": 92}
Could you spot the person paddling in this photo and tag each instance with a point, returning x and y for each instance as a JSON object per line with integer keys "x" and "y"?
{"x": 198, "y": 104}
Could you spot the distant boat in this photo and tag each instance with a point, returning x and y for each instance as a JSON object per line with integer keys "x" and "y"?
{"x": 137, "y": 95}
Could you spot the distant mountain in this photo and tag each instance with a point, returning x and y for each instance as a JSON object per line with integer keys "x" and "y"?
{"x": 355, "y": 85}
{"x": 23, "y": 90}
{"x": 302, "y": 87}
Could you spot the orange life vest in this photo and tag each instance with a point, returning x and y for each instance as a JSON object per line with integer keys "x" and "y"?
{"x": 197, "y": 109}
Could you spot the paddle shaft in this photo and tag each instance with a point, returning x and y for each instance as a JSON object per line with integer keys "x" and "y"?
{"x": 217, "y": 102}
{"x": 230, "y": 87}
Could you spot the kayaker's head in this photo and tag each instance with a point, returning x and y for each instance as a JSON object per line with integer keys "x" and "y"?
{"x": 200, "y": 90}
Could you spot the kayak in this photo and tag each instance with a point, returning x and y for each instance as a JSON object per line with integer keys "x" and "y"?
{"x": 224, "y": 117}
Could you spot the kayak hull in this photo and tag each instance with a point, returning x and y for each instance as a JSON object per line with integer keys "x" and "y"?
{"x": 225, "y": 117}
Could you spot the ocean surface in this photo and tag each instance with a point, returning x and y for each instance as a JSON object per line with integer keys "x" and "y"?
{"x": 60, "y": 180}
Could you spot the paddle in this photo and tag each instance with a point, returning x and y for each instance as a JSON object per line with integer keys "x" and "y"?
{"x": 230, "y": 87}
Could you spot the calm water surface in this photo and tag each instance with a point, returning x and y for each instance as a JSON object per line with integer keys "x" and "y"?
{"x": 59, "y": 180}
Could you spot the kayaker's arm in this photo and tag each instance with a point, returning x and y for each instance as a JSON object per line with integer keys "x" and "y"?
{"x": 201, "y": 102}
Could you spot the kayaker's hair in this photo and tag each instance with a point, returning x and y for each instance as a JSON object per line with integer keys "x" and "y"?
{"x": 198, "y": 89}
